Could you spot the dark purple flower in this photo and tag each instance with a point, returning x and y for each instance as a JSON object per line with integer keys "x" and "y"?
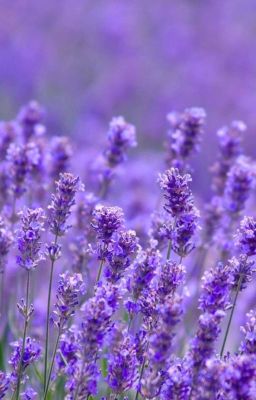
{"x": 248, "y": 345}
{"x": 122, "y": 365}
{"x": 121, "y": 137}
{"x": 230, "y": 148}
{"x": 246, "y": 236}
{"x": 177, "y": 194}
{"x": 69, "y": 292}
{"x": 185, "y": 134}
{"x": 31, "y": 354}
{"x": 122, "y": 247}
{"x": 106, "y": 221}
{"x": 171, "y": 277}
{"x": 62, "y": 201}
{"x": 4, "y": 384}
{"x": 184, "y": 230}
{"x": 29, "y": 238}
{"x": 6, "y": 240}
{"x": 240, "y": 181}
{"x": 30, "y": 118}
{"x": 61, "y": 153}
{"x": 242, "y": 271}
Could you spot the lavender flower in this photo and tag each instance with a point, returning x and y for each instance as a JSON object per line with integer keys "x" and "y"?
{"x": 242, "y": 271}
{"x": 176, "y": 384}
{"x": 246, "y": 236}
{"x": 185, "y": 228}
{"x": 62, "y": 201}
{"x": 61, "y": 152}
{"x": 31, "y": 354}
{"x": 106, "y": 221}
{"x": 240, "y": 181}
{"x": 121, "y": 137}
{"x": 29, "y": 238}
{"x": 29, "y": 394}
{"x": 230, "y": 139}
{"x": 30, "y": 117}
{"x": 6, "y": 239}
{"x": 69, "y": 292}
{"x": 8, "y": 133}
{"x": 122, "y": 247}
{"x": 185, "y": 134}
{"x": 248, "y": 345}
{"x": 171, "y": 277}
{"x": 122, "y": 366}
{"x": 4, "y": 384}
{"x": 178, "y": 196}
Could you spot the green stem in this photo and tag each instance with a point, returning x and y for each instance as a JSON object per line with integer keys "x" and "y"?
{"x": 52, "y": 363}
{"x": 231, "y": 314}
{"x": 140, "y": 377}
{"x": 169, "y": 250}
{"x": 24, "y": 337}
{"x": 48, "y": 319}
{"x": 100, "y": 271}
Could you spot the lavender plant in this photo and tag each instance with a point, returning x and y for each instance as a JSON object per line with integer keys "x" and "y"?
{"x": 124, "y": 323}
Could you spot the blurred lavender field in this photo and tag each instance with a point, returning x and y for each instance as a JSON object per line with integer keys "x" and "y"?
{"x": 127, "y": 200}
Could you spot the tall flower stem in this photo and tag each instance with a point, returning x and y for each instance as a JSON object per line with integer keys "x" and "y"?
{"x": 24, "y": 336}
{"x": 140, "y": 377}
{"x": 169, "y": 249}
{"x": 231, "y": 314}
{"x": 52, "y": 363}
{"x": 48, "y": 319}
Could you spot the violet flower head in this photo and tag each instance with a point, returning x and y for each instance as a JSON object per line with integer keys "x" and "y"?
{"x": 122, "y": 366}
{"x": 248, "y": 345}
{"x": 242, "y": 271}
{"x": 121, "y": 249}
{"x": 20, "y": 159}
{"x": 121, "y": 137}
{"x": 61, "y": 153}
{"x": 212, "y": 218}
{"x": 30, "y": 118}
{"x": 216, "y": 285}
{"x": 239, "y": 377}
{"x": 240, "y": 181}
{"x": 144, "y": 270}
{"x": 29, "y": 238}
{"x": 4, "y": 384}
{"x": 31, "y": 354}
{"x": 177, "y": 194}
{"x": 6, "y": 240}
{"x": 69, "y": 292}
{"x": 185, "y": 134}
{"x": 106, "y": 221}
{"x": 171, "y": 277}
{"x": 29, "y": 394}
{"x": 62, "y": 201}
{"x": 246, "y": 236}
{"x": 185, "y": 228}
{"x": 8, "y": 134}
{"x": 176, "y": 384}
{"x": 229, "y": 140}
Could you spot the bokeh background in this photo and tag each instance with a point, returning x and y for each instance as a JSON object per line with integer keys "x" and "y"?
{"x": 88, "y": 60}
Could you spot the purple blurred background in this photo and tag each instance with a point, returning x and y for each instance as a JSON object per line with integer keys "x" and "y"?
{"x": 89, "y": 60}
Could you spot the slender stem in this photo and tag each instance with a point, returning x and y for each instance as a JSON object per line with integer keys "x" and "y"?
{"x": 100, "y": 271}
{"x": 169, "y": 250}
{"x": 140, "y": 377}
{"x": 52, "y": 363}
{"x": 24, "y": 336}
{"x": 2, "y": 274}
{"x": 231, "y": 314}
{"x": 48, "y": 319}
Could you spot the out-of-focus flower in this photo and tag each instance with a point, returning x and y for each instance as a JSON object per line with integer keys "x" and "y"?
{"x": 184, "y": 135}
{"x": 29, "y": 394}
{"x": 4, "y": 384}
{"x": 30, "y": 118}
{"x": 61, "y": 153}
{"x": 246, "y": 236}
{"x": 6, "y": 240}
{"x": 248, "y": 345}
